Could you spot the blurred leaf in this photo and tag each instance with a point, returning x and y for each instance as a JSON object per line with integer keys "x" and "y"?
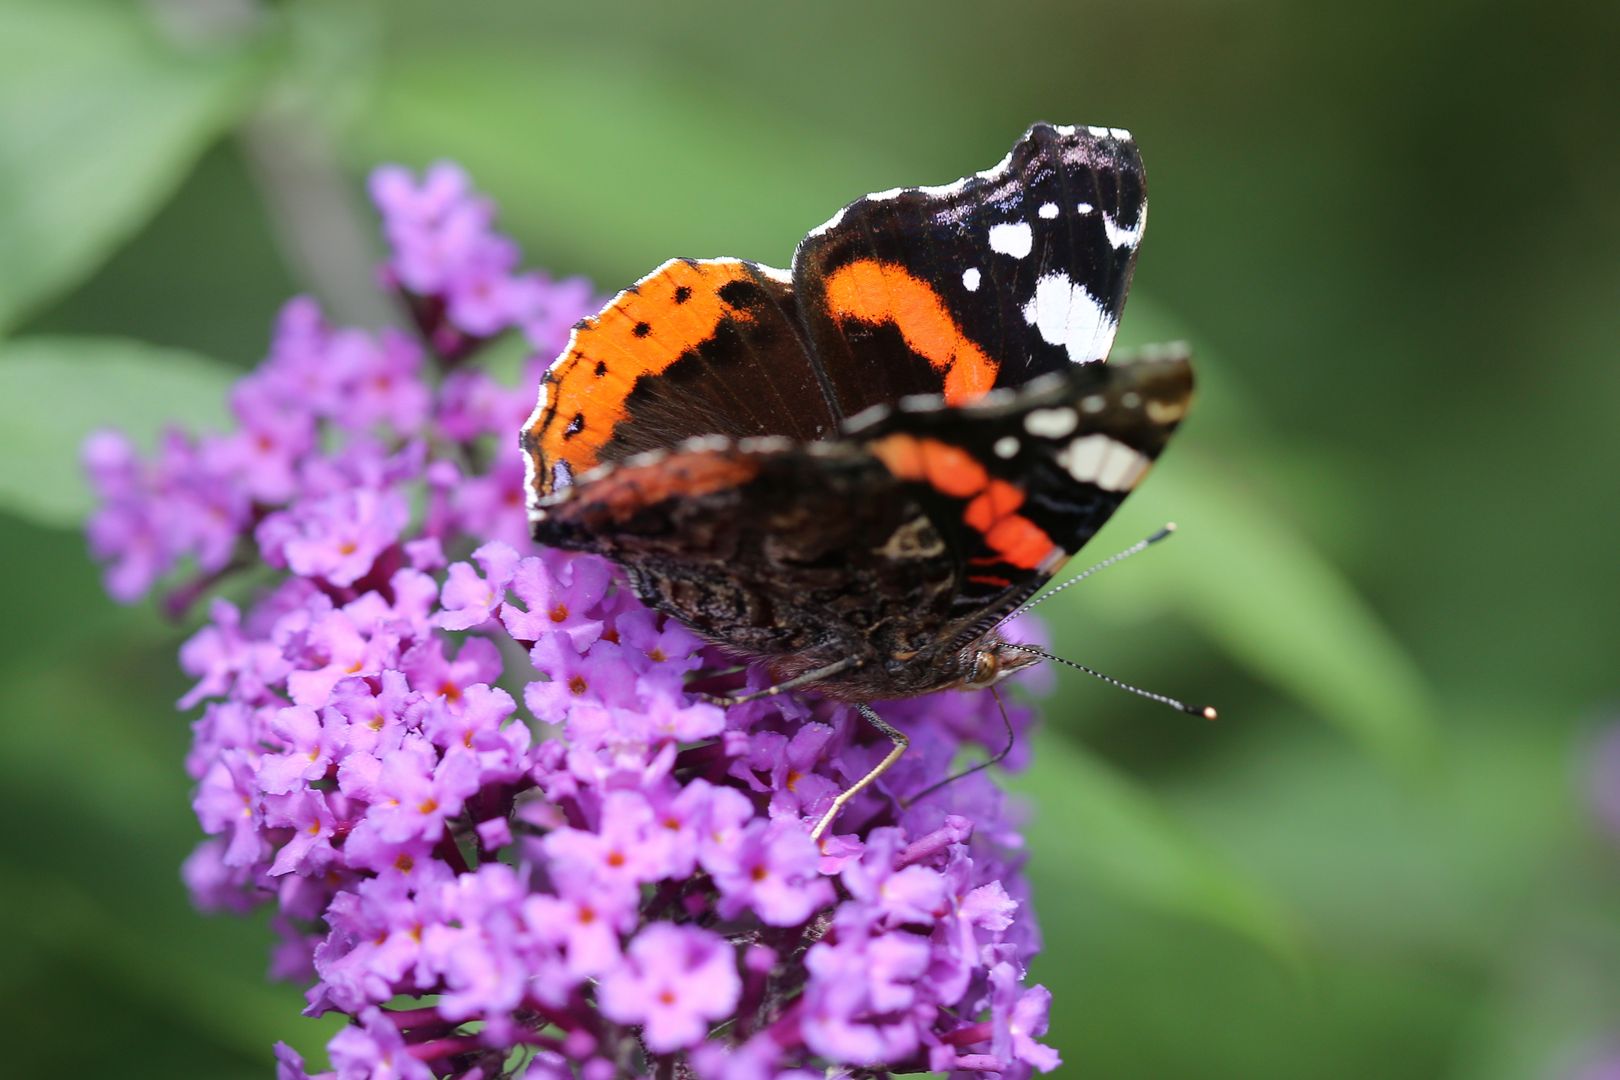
{"x": 1448, "y": 868}
{"x": 99, "y": 120}
{"x": 1094, "y": 822}
{"x": 1262, "y": 592}
{"x": 55, "y": 391}
{"x": 611, "y": 161}
{"x": 333, "y": 54}
{"x": 73, "y": 923}
{"x": 1449, "y": 919}
{"x": 1139, "y": 994}
{"x": 1554, "y": 1001}
{"x": 103, "y": 728}
{"x": 1255, "y": 584}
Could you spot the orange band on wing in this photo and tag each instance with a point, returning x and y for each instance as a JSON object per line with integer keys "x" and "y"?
{"x": 951, "y": 470}
{"x": 1020, "y": 541}
{"x": 627, "y": 489}
{"x": 641, "y": 332}
{"x": 902, "y": 455}
{"x": 992, "y": 503}
{"x": 876, "y": 292}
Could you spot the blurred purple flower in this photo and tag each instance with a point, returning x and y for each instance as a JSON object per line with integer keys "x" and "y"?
{"x": 771, "y": 869}
{"x": 675, "y": 982}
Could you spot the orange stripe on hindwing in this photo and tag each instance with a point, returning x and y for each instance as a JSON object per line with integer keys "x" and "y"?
{"x": 641, "y": 332}
{"x": 1020, "y": 541}
{"x": 877, "y": 292}
{"x": 997, "y": 501}
{"x": 625, "y": 491}
{"x": 992, "y": 504}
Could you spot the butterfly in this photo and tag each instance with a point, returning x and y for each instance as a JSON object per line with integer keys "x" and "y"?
{"x": 853, "y": 471}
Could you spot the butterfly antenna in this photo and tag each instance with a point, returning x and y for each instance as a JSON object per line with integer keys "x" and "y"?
{"x": 1206, "y": 711}
{"x": 1135, "y": 549}
{"x": 1006, "y": 723}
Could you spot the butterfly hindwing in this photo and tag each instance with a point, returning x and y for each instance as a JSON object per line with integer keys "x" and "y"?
{"x": 1018, "y": 483}
{"x": 990, "y": 281}
{"x": 934, "y": 518}
{"x": 778, "y": 549}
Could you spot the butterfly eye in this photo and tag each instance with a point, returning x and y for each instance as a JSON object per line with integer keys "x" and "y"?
{"x": 986, "y": 669}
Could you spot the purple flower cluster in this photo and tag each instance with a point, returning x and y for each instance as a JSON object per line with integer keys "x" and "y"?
{"x": 499, "y": 830}
{"x": 457, "y": 273}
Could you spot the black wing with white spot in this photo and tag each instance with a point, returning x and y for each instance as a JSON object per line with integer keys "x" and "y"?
{"x": 1020, "y": 481}
{"x": 989, "y": 281}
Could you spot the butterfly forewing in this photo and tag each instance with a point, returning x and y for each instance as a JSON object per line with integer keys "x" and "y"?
{"x": 993, "y": 280}
{"x": 697, "y": 347}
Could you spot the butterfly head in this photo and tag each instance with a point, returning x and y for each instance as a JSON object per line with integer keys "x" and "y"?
{"x": 990, "y": 659}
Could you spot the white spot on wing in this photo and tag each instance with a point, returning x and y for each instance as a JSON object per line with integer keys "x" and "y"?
{"x": 1106, "y": 462}
{"x": 1083, "y": 458}
{"x": 1006, "y": 446}
{"x": 710, "y": 443}
{"x": 1065, "y": 314}
{"x": 1012, "y": 238}
{"x": 1098, "y": 132}
{"x": 1051, "y": 423}
{"x": 1083, "y": 208}
{"x": 970, "y": 279}
{"x": 1048, "y": 210}
{"x": 1123, "y": 468}
{"x": 764, "y": 444}
{"x": 1122, "y": 237}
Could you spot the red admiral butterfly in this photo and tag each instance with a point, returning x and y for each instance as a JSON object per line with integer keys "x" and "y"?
{"x": 854, "y": 471}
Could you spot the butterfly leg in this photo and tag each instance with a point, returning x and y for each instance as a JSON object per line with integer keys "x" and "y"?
{"x": 812, "y": 676}
{"x": 895, "y": 736}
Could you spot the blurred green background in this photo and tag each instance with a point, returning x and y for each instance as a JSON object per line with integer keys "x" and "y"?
{"x": 1391, "y": 232}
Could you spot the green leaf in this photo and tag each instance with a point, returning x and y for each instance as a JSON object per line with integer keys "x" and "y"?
{"x": 610, "y": 162}
{"x": 1262, "y": 592}
{"x": 1092, "y": 822}
{"x": 1249, "y": 579}
{"x": 55, "y": 391}
{"x": 100, "y": 118}
{"x": 69, "y": 923}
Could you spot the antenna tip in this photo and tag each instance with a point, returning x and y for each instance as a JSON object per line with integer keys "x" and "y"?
{"x": 1209, "y": 713}
{"x": 1169, "y": 526}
